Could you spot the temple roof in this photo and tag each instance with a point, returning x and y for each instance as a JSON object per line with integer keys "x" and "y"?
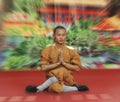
{"x": 107, "y": 24}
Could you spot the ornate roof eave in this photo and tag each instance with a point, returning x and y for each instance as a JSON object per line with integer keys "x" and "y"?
{"x": 101, "y": 3}
{"x": 111, "y": 24}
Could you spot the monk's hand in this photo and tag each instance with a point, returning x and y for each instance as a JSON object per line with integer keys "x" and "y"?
{"x": 60, "y": 59}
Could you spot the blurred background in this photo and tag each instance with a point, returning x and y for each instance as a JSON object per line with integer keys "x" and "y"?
{"x": 26, "y": 26}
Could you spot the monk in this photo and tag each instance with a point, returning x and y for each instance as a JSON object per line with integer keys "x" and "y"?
{"x": 59, "y": 61}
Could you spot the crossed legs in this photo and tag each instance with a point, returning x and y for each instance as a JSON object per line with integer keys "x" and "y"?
{"x": 53, "y": 85}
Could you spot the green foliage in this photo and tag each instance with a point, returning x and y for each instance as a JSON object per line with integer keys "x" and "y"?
{"x": 28, "y": 6}
{"x": 13, "y": 31}
{"x": 114, "y": 49}
{"x": 16, "y": 62}
{"x": 80, "y": 35}
{"x": 22, "y": 5}
{"x": 84, "y": 24}
{"x": 27, "y": 52}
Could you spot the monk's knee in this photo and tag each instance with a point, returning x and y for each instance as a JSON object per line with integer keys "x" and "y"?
{"x": 58, "y": 90}
{"x": 56, "y": 87}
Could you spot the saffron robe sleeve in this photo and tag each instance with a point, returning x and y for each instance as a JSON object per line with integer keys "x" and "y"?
{"x": 44, "y": 57}
{"x": 75, "y": 59}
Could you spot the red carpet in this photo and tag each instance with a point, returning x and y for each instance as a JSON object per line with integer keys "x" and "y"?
{"x": 104, "y": 87}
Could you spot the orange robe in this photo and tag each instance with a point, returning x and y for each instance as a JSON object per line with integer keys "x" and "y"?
{"x": 50, "y": 55}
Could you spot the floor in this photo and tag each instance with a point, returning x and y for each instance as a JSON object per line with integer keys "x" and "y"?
{"x": 104, "y": 86}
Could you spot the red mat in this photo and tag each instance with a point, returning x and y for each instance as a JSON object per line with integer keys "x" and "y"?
{"x": 104, "y": 87}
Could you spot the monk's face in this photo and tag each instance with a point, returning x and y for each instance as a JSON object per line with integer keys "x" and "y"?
{"x": 60, "y": 36}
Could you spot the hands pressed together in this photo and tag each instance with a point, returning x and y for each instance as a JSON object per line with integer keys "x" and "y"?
{"x": 60, "y": 58}
{"x": 60, "y": 62}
